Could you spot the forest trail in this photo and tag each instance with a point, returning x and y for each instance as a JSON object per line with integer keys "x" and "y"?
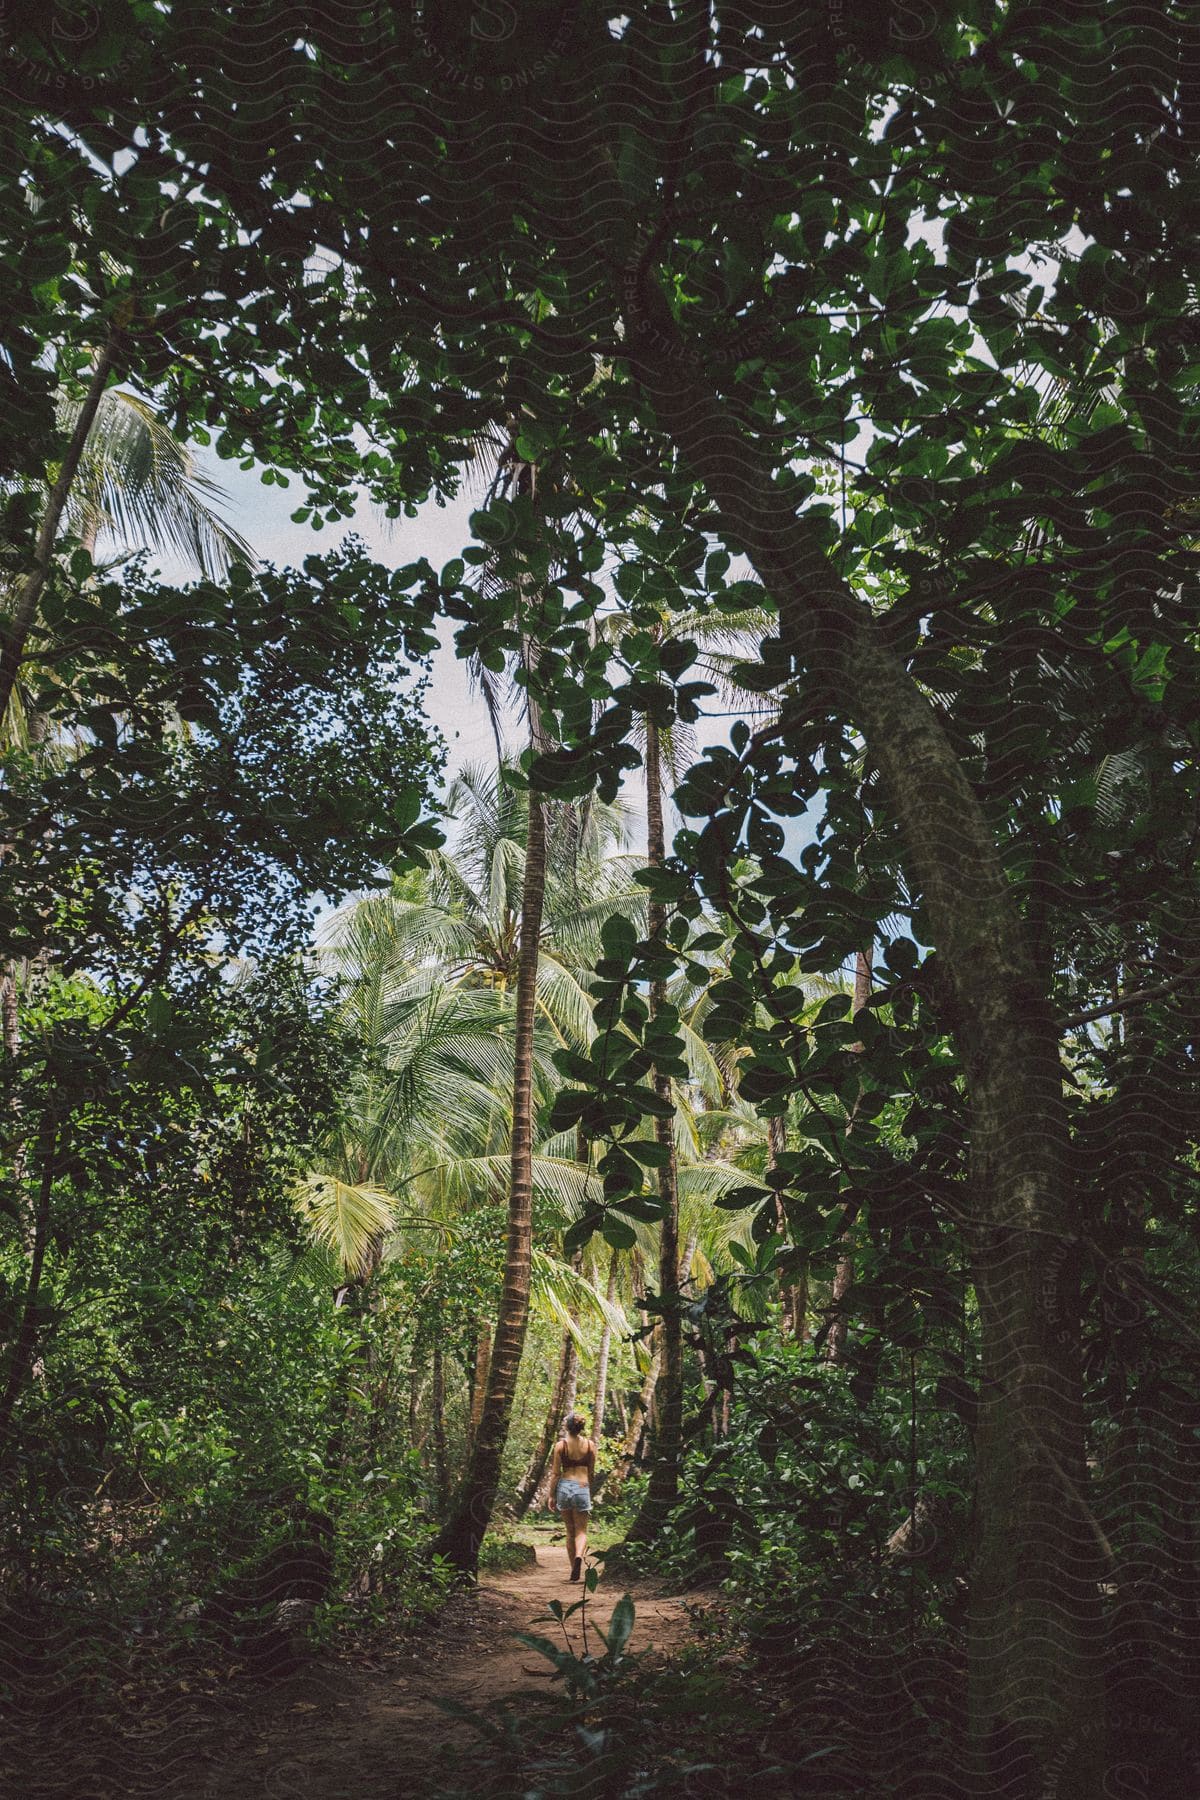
{"x": 340, "y": 1730}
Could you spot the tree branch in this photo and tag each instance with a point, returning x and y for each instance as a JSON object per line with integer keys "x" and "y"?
{"x": 1151, "y": 993}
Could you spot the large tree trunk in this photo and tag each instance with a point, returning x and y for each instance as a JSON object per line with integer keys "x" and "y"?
{"x": 1035, "y": 1701}
{"x": 843, "y": 1277}
{"x": 10, "y": 1014}
{"x": 462, "y": 1533}
{"x": 645, "y": 1416}
{"x": 800, "y": 1304}
{"x": 416, "y": 1437}
{"x": 664, "y": 1475}
{"x": 602, "y": 1359}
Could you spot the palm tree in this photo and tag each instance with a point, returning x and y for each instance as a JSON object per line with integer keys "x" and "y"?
{"x": 125, "y": 475}
{"x": 453, "y": 948}
{"x": 429, "y": 995}
{"x": 425, "y": 1132}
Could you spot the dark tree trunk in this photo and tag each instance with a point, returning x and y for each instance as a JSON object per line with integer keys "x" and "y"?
{"x": 1034, "y": 1650}
{"x": 10, "y": 1016}
{"x": 664, "y": 1475}
{"x": 10, "y": 1013}
{"x": 800, "y": 1305}
{"x": 415, "y": 1438}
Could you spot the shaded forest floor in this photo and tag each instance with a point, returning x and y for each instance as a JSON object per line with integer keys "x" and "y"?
{"x": 375, "y": 1729}
{"x": 360, "y": 1721}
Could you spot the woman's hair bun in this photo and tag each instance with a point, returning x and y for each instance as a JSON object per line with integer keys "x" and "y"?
{"x": 575, "y": 1423}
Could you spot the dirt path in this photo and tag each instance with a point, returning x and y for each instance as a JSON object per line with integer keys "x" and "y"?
{"x": 349, "y": 1731}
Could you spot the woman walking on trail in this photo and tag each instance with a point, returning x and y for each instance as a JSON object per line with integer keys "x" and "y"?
{"x": 571, "y": 1475}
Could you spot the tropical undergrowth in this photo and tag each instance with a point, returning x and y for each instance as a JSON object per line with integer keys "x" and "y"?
{"x": 617, "y": 1722}
{"x": 828, "y": 1529}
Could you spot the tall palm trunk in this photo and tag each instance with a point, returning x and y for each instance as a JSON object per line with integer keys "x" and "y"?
{"x": 602, "y": 1359}
{"x": 479, "y": 1374}
{"x": 10, "y": 1016}
{"x": 800, "y": 1305}
{"x": 571, "y": 1386}
{"x": 462, "y": 1533}
{"x": 647, "y": 1414}
{"x": 10, "y": 1012}
{"x": 664, "y": 1476}
{"x": 843, "y": 1277}
{"x": 416, "y": 1436}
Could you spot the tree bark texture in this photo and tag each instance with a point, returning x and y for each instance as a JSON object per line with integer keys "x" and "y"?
{"x": 483, "y": 1352}
{"x": 639, "y": 1416}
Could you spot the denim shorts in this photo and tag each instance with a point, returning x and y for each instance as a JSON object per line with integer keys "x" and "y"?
{"x": 574, "y": 1496}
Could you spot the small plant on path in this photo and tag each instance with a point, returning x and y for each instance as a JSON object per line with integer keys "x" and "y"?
{"x": 586, "y": 1676}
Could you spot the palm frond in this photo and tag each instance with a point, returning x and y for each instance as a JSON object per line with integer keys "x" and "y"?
{"x": 565, "y": 1004}
{"x": 345, "y": 1219}
{"x": 703, "y": 1067}
{"x": 563, "y": 1291}
{"x": 559, "y": 1179}
{"x": 139, "y": 482}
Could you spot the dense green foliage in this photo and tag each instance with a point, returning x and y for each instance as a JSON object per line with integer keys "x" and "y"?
{"x": 835, "y": 373}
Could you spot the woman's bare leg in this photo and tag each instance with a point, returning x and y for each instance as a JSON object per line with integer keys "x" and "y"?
{"x": 569, "y": 1517}
{"x": 581, "y": 1535}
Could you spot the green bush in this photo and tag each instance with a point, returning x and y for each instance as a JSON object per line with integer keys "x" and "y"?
{"x": 501, "y": 1555}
